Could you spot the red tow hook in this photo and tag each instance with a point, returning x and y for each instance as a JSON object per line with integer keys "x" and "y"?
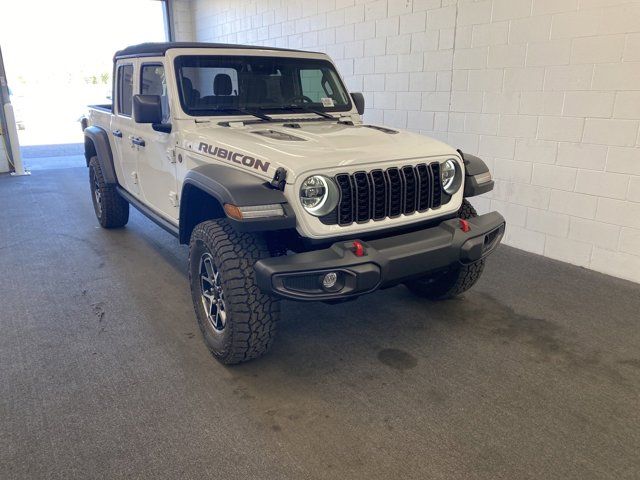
{"x": 358, "y": 249}
{"x": 464, "y": 226}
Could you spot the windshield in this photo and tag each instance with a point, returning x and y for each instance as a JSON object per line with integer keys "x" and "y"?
{"x": 235, "y": 85}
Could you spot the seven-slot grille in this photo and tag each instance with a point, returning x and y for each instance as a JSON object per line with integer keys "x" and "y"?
{"x": 379, "y": 194}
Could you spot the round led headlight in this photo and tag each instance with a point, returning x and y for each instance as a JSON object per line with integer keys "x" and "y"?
{"x": 450, "y": 176}
{"x": 318, "y": 195}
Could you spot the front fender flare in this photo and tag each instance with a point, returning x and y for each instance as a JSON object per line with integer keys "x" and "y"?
{"x": 232, "y": 186}
{"x": 477, "y": 176}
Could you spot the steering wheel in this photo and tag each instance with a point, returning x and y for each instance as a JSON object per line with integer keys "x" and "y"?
{"x": 304, "y": 99}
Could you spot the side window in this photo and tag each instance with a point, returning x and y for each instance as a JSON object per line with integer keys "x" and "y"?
{"x": 153, "y": 82}
{"x": 125, "y": 89}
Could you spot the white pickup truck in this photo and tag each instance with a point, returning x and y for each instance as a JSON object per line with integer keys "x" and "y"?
{"x": 259, "y": 160}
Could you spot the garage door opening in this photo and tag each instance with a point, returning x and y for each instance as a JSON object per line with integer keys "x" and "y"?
{"x": 58, "y": 59}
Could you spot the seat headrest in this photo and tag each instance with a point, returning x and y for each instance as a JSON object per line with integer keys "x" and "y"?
{"x": 222, "y": 84}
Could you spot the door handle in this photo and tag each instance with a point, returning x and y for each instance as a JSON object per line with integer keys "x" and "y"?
{"x": 138, "y": 141}
{"x": 117, "y": 133}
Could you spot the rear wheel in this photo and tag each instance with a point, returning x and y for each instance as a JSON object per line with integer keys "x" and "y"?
{"x": 237, "y": 320}
{"x": 112, "y": 211}
{"x": 456, "y": 280}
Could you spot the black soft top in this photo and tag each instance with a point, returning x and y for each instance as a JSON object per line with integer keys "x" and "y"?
{"x": 160, "y": 48}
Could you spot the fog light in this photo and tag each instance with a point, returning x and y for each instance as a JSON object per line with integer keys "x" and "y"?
{"x": 330, "y": 280}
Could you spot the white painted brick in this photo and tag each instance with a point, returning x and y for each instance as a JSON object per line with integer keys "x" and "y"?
{"x": 354, "y": 49}
{"x": 363, "y": 65}
{"x": 627, "y": 105}
{"x": 501, "y": 102}
{"x": 617, "y": 76}
{"x": 555, "y": 52}
{"x": 601, "y": 49}
{"x": 408, "y": 100}
{"x": 532, "y": 29}
{"x": 633, "y": 193}
{"x": 460, "y": 80}
{"x": 543, "y": 7}
{"x": 562, "y": 129}
{"x": 581, "y": 23}
{"x": 623, "y": 160}
{"x": 518, "y": 126}
{"x": 387, "y": 27}
{"x": 525, "y": 239}
{"x": 399, "y": 45}
{"x": 474, "y": 13}
{"x": 574, "y": 204}
{"x": 536, "y": 151}
{"x": 632, "y": 48}
{"x": 470, "y": 58}
{"x": 374, "y": 83}
{"x": 630, "y": 240}
{"x": 497, "y": 147}
{"x": 420, "y": 120}
{"x": 508, "y": 9}
{"x": 441, "y": 121}
{"x": 523, "y": 79}
{"x": 553, "y": 176}
{"x": 620, "y": 19}
{"x": 443, "y": 81}
{"x": 396, "y": 82}
{"x": 466, "y": 102}
{"x": 365, "y": 30}
{"x": 386, "y": 64}
{"x": 411, "y": 62}
{"x": 354, "y": 14}
{"x": 422, "y": 5}
{"x": 600, "y": 234}
{"x": 502, "y": 56}
{"x": 541, "y": 103}
{"x": 435, "y": 101}
{"x": 375, "y": 47}
{"x": 400, "y": 7}
{"x": 481, "y": 123}
{"x": 465, "y": 141}
{"x": 441, "y": 18}
{"x": 571, "y": 251}
{"x": 438, "y": 60}
{"x": 375, "y": 10}
{"x": 447, "y": 39}
{"x": 490, "y": 34}
{"x": 571, "y": 77}
{"x": 422, "y": 82}
{"x": 610, "y": 132}
{"x": 618, "y": 212}
{"x": 588, "y": 104}
{"x": 414, "y": 22}
{"x": 581, "y": 155}
{"x": 335, "y": 18}
{"x": 456, "y": 122}
{"x": 616, "y": 263}
{"x": 424, "y": 41}
{"x": 384, "y": 100}
{"x": 522, "y": 194}
{"x": 547, "y": 222}
{"x": 512, "y": 171}
{"x": 485, "y": 80}
{"x": 395, "y": 118}
{"x": 463, "y": 36}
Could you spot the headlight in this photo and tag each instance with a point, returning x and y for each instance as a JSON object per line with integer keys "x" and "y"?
{"x": 450, "y": 176}
{"x": 318, "y": 195}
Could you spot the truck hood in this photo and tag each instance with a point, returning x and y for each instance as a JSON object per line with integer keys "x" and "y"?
{"x": 308, "y": 146}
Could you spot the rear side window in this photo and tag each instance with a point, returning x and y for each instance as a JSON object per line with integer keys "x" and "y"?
{"x": 125, "y": 89}
{"x": 153, "y": 82}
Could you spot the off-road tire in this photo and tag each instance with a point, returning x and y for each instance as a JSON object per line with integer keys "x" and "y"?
{"x": 456, "y": 280}
{"x": 112, "y": 211}
{"x": 251, "y": 315}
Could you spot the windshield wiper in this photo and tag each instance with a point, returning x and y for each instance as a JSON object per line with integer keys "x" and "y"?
{"x": 304, "y": 109}
{"x": 253, "y": 113}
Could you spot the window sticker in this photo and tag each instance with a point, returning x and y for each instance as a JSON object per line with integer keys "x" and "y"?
{"x": 327, "y": 102}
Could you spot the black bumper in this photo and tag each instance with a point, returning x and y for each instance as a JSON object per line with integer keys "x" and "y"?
{"x": 386, "y": 261}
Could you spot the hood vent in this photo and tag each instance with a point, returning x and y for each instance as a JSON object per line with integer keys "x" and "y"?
{"x": 382, "y": 129}
{"x": 276, "y": 135}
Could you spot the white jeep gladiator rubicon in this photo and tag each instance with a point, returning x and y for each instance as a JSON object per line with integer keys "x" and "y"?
{"x": 259, "y": 160}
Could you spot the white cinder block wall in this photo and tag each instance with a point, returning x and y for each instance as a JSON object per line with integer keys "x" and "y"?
{"x": 546, "y": 91}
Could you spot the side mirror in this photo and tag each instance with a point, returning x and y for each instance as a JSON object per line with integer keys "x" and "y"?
{"x": 358, "y": 100}
{"x": 147, "y": 109}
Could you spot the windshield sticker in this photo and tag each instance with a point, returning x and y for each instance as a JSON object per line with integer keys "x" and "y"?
{"x": 327, "y": 102}
{"x": 236, "y": 157}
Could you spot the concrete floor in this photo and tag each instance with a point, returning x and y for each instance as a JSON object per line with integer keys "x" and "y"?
{"x": 103, "y": 374}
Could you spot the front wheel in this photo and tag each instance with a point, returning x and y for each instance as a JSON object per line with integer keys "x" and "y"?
{"x": 456, "y": 280}
{"x": 237, "y": 320}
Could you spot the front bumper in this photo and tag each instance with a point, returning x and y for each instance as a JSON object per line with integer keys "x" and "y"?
{"x": 386, "y": 261}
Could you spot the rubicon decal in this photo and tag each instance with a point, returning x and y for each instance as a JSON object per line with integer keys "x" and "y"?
{"x": 236, "y": 157}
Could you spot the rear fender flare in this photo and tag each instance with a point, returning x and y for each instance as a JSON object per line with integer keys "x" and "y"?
{"x": 96, "y": 143}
